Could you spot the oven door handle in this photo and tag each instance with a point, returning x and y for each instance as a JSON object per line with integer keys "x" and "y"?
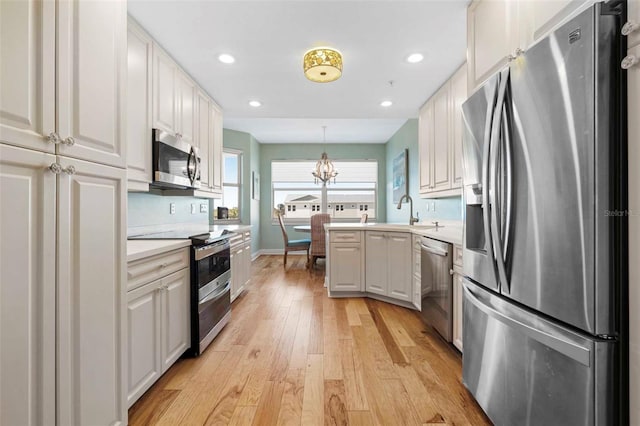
{"x": 213, "y": 296}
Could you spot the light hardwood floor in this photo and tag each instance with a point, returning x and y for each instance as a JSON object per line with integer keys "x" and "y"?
{"x": 291, "y": 355}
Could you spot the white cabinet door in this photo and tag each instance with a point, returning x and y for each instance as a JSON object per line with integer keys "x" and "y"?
{"x": 458, "y": 96}
{"x": 143, "y": 338}
{"x": 27, "y": 286}
{"x": 345, "y": 272}
{"x": 139, "y": 87}
{"x": 216, "y": 150}
{"x": 237, "y": 273}
{"x": 203, "y": 137}
{"x": 165, "y": 107}
{"x": 27, "y": 73}
{"x": 91, "y": 80}
{"x": 634, "y": 17}
{"x": 176, "y": 325}
{"x": 457, "y": 311}
{"x": 247, "y": 265}
{"x": 377, "y": 264}
{"x": 91, "y": 294}
{"x": 425, "y": 145}
{"x": 491, "y": 28}
{"x": 399, "y": 259}
{"x": 441, "y": 126}
{"x": 633, "y": 102}
{"x": 186, "y": 116}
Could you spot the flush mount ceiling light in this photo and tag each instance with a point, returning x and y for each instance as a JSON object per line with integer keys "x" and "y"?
{"x": 386, "y": 104}
{"x": 322, "y": 64}
{"x": 324, "y": 170}
{"x": 225, "y": 58}
{"x": 414, "y": 58}
{"x": 255, "y": 104}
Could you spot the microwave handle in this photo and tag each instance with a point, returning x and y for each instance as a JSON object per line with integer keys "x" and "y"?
{"x": 190, "y": 174}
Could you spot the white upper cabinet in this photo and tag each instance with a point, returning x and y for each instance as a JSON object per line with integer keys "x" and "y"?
{"x": 28, "y": 287}
{"x": 165, "y": 107}
{"x": 27, "y": 73}
{"x": 458, "y": 96}
{"x": 140, "y": 58}
{"x": 91, "y": 80}
{"x": 538, "y": 17}
{"x": 491, "y": 37}
{"x": 185, "y": 103}
{"x": 216, "y": 150}
{"x": 204, "y": 136}
{"x": 91, "y": 294}
{"x": 425, "y": 145}
{"x": 441, "y": 125}
{"x": 633, "y": 12}
{"x": 440, "y": 139}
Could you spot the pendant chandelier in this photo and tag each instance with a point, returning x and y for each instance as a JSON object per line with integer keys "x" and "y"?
{"x": 324, "y": 170}
{"x": 322, "y": 64}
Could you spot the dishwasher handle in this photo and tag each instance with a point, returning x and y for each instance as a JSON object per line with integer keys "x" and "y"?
{"x": 435, "y": 251}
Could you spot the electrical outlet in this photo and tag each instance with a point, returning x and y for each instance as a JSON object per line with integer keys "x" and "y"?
{"x": 433, "y": 206}
{"x": 172, "y": 208}
{"x": 204, "y": 208}
{"x": 193, "y": 209}
{"x": 428, "y": 206}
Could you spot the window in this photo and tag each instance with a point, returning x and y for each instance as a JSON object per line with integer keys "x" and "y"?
{"x": 297, "y": 197}
{"x": 232, "y": 181}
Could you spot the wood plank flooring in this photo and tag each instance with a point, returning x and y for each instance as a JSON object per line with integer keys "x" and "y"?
{"x": 292, "y": 356}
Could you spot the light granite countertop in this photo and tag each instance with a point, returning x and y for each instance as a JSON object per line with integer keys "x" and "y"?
{"x": 139, "y": 249}
{"x": 238, "y": 227}
{"x": 447, "y": 231}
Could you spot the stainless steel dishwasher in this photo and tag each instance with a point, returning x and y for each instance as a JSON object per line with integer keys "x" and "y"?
{"x": 436, "y": 262}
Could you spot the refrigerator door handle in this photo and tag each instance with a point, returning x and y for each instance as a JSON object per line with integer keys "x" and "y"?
{"x": 486, "y": 208}
{"x": 570, "y": 349}
{"x": 494, "y": 166}
{"x": 508, "y": 190}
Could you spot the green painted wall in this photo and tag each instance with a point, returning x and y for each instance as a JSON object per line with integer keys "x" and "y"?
{"x": 249, "y": 209}
{"x": 445, "y": 208}
{"x": 270, "y": 235}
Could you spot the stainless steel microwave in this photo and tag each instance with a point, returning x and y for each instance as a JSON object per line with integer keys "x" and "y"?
{"x": 176, "y": 164}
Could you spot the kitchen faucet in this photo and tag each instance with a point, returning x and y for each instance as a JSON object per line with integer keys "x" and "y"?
{"x": 412, "y": 219}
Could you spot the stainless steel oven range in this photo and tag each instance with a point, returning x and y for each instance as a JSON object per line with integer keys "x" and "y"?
{"x": 210, "y": 289}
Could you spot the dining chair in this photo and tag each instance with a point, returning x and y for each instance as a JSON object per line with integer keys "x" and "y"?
{"x": 292, "y": 245}
{"x": 318, "y": 244}
{"x": 364, "y": 217}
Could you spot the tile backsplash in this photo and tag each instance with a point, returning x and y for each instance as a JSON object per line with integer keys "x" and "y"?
{"x": 146, "y": 210}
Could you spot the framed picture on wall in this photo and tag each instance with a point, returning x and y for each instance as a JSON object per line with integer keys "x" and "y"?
{"x": 255, "y": 185}
{"x": 400, "y": 175}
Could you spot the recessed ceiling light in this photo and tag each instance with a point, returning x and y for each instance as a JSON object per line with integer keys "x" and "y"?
{"x": 386, "y": 103}
{"x": 255, "y": 104}
{"x": 414, "y": 58}
{"x": 225, "y": 58}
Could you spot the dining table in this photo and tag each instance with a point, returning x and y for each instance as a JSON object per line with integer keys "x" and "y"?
{"x": 302, "y": 228}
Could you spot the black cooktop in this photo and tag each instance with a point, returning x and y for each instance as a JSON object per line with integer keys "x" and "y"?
{"x": 197, "y": 239}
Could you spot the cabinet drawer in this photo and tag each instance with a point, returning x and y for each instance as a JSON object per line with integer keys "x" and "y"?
{"x": 457, "y": 255}
{"x": 345, "y": 236}
{"x": 235, "y": 239}
{"x": 151, "y": 268}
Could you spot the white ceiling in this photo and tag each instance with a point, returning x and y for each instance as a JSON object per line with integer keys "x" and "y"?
{"x": 268, "y": 39}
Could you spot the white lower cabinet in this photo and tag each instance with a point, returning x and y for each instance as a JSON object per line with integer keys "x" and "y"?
{"x": 457, "y": 311}
{"x": 346, "y": 267}
{"x": 158, "y": 329}
{"x": 240, "y": 263}
{"x": 389, "y": 264}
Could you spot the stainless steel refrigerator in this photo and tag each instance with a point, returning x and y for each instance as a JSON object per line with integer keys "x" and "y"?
{"x": 544, "y": 323}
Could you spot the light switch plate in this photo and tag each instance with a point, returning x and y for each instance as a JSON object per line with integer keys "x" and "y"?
{"x": 172, "y": 208}
{"x": 193, "y": 208}
{"x": 204, "y": 208}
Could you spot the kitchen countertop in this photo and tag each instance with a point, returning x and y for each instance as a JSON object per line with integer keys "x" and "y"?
{"x": 449, "y": 231}
{"x": 139, "y": 249}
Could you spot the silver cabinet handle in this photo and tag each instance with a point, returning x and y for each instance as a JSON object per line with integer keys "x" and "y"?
{"x": 514, "y": 56}
{"x": 451, "y": 272}
{"x": 70, "y": 141}
{"x": 629, "y": 27}
{"x": 55, "y": 168}
{"x": 163, "y": 265}
{"x": 628, "y": 62}
{"x": 54, "y": 138}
